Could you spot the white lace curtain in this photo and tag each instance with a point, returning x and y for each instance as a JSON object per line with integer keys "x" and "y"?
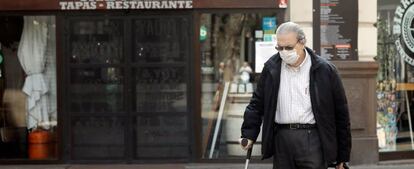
{"x": 33, "y": 53}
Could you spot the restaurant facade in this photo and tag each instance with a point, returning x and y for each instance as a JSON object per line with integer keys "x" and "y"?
{"x": 163, "y": 81}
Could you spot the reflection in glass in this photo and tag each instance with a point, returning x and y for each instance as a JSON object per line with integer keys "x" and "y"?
{"x": 227, "y": 64}
{"x": 154, "y": 140}
{"x": 96, "y": 90}
{"x": 96, "y": 41}
{"x": 24, "y": 133}
{"x": 160, "y": 89}
{"x": 160, "y": 52}
{"x": 161, "y": 40}
{"x": 394, "y": 84}
{"x": 108, "y": 137}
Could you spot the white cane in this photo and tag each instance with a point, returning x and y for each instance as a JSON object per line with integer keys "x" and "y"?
{"x": 244, "y": 143}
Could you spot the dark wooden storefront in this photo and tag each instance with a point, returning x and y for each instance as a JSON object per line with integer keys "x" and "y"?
{"x": 91, "y": 132}
{"x": 140, "y": 118}
{"x": 149, "y": 92}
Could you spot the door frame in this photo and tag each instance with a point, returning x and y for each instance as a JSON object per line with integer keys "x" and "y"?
{"x": 127, "y": 18}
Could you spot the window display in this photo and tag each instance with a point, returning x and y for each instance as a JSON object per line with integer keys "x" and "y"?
{"x": 28, "y": 87}
{"x": 395, "y": 81}
{"x": 229, "y": 56}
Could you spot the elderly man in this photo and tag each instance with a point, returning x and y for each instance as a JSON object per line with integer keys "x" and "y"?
{"x": 301, "y": 101}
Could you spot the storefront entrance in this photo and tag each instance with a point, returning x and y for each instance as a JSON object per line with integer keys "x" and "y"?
{"x": 126, "y": 87}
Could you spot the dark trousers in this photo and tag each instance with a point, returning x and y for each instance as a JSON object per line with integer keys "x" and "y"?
{"x": 298, "y": 149}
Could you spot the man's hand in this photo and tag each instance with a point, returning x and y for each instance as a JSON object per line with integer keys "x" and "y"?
{"x": 340, "y": 166}
{"x": 249, "y": 144}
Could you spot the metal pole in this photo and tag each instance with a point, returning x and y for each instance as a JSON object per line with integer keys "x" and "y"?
{"x": 219, "y": 118}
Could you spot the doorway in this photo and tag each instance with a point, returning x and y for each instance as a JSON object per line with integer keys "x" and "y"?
{"x": 127, "y": 88}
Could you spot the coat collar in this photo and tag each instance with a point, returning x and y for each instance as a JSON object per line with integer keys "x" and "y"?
{"x": 273, "y": 65}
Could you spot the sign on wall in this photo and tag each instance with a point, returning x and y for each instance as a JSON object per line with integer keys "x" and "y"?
{"x": 403, "y": 29}
{"x": 66, "y": 5}
{"x": 339, "y": 29}
{"x": 124, "y": 4}
{"x": 264, "y": 50}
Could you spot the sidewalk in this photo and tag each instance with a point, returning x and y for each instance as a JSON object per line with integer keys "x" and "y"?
{"x": 186, "y": 166}
{"x": 269, "y": 166}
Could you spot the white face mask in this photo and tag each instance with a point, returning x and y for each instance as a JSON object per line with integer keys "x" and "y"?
{"x": 289, "y": 56}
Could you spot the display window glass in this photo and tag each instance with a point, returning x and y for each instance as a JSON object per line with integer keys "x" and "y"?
{"x": 28, "y": 109}
{"x": 234, "y": 48}
{"x": 395, "y": 80}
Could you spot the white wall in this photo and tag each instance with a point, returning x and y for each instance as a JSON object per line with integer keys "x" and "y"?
{"x": 301, "y": 12}
{"x": 367, "y": 33}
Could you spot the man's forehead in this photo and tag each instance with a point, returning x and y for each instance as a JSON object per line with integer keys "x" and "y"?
{"x": 288, "y": 37}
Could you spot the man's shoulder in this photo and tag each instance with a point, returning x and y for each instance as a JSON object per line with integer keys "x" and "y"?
{"x": 273, "y": 59}
{"x": 326, "y": 65}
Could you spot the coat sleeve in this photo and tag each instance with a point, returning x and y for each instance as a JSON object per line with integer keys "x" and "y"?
{"x": 342, "y": 120}
{"x": 253, "y": 114}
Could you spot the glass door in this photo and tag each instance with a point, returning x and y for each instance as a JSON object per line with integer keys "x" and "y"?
{"x": 127, "y": 87}
{"x": 160, "y": 75}
{"x": 96, "y": 88}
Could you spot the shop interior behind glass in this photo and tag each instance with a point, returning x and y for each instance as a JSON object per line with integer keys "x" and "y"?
{"x": 28, "y": 113}
{"x": 234, "y": 47}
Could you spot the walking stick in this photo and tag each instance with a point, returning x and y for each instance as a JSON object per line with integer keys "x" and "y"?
{"x": 244, "y": 143}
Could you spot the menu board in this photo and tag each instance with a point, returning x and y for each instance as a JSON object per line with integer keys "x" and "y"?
{"x": 339, "y": 29}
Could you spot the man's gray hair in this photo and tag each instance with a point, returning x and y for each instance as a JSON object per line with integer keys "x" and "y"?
{"x": 292, "y": 27}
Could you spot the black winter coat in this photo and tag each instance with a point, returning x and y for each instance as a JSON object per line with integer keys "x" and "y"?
{"x": 329, "y": 106}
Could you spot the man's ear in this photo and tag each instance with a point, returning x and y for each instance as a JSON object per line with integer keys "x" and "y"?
{"x": 302, "y": 41}
{"x": 301, "y": 45}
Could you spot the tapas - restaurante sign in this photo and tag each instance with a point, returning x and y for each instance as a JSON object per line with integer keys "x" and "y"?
{"x": 124, "y": 4}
